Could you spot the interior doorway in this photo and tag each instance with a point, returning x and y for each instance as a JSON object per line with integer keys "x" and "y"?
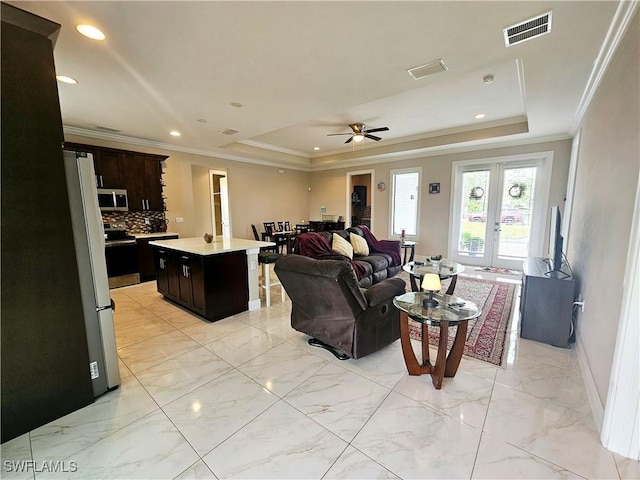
{"x": 220, "y": 220}
{"x": 499, "y": 210}
{"x": 359, "y": 198}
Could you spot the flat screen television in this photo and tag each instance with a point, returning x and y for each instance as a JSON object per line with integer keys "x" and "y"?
{"x": 555, "y": 240}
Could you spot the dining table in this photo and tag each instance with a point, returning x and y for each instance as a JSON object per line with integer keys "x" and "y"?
{"x": 277, "y": 236}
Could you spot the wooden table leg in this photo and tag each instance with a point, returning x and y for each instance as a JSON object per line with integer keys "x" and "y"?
{"x": 438, "y": 370}
{"x": 425, "y": 345}
{"x": 414, "y": 284}
{"x": 455, "y": 355}
{"x": 410, "y": 360}
{"x": 452, "y": 285}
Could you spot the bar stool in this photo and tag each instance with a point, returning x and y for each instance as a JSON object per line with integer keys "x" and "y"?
{"x": 266, "y": 259}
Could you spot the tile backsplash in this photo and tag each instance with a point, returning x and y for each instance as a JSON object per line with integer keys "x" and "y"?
{"x": 138, "y": 222}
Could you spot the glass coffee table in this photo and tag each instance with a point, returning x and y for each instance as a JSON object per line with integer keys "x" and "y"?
{"x": 450, "y": 311}
{"x": 447, "y": 269}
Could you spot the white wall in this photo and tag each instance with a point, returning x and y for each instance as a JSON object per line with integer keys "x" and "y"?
{"x": 603, "y": 205}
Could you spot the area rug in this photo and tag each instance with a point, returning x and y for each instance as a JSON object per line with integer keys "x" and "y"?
{"x": 504, "y": 271}
{"x": 486, "y": 335}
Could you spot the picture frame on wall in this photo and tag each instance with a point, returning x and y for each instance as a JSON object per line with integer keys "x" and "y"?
{"x": 434, "y": 188}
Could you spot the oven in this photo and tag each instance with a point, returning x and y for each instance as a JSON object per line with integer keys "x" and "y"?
{"x": 121, "y": 253}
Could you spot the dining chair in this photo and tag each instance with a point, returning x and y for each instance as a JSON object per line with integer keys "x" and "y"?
{"x": 281, "y": 227}
{"x": 258, "y": 239}
{"x": 269, "y": 228}
{"x": 287, "y": 226}
{"x": 302, "y": 228}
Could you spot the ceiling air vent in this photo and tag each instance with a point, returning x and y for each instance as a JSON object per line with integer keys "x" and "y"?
{"x": 422, "y": 71}
{"x": 532, "y": 28}
{"x": 228, "y": 131}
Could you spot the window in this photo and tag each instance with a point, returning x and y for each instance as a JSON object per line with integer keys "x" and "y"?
{"x": 405, "y": 199}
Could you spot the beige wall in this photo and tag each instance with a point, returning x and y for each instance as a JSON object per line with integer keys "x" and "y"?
{"x": 329, "y": 189}
{"x": 606, "y": 182}
{"x": 256, "y": 193}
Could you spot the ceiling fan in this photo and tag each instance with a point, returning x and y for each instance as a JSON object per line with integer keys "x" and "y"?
{"x": 360, "y": 132}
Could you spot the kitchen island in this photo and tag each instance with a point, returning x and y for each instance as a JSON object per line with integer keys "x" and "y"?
{"x": 214, "y": 280}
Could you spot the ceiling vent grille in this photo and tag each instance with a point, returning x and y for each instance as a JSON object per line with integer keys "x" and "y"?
{"x": 422, "y": 71}
{"x": 532, "y": 28}
{"x": 228, "y": 131}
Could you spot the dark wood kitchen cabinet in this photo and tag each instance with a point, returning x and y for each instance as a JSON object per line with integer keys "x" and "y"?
{"x": 213, "y": 286}
{"x": 146, "y": 260}
{"x": 108, "y": 167}
{"x": 139, "y": 173}
{"x": 143, "y": 181}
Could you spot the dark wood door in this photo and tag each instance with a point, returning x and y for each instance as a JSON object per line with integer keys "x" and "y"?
{"x": 152, "y": 171}
{"x": 162, "y": 269}
{"x": 174, "y": 273}
{"x": 143, "y": 182}
{"x": 109, "y": 169}
{"x": 44, "y": 353}
{"x": 186, "y": 294}
{"x": 196, "y": 273}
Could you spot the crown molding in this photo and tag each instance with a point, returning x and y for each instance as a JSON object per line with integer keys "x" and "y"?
{"x": 477, "y": 145}
{"x": 274, "y": 148}
{"x": 619, "y": 24}
{"x": 216, "y": 153}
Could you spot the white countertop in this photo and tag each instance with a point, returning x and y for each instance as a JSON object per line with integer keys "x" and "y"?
{"x": 153, "y": 235}
{"x": 198, "y": 246}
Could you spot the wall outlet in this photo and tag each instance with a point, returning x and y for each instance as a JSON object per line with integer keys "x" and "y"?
{"x": 179, "y": 220}
{"x": 253, "y": 264}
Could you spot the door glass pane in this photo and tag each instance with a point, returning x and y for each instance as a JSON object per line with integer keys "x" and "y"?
{"x": 405, "y": 203}
{"x": 475, "y": 204}
{"x": 515, "y": 214}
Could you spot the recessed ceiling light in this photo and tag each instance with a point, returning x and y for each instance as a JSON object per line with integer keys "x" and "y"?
{"x": 488, "y": 78}
{"x": 479, "y": 116}
{"x": 91, "y": 32}
{"x": 316, "y": 148}
{"x": 69, "y": 80}
{"x": 236, "y": 104}
{"x": 203, "y": 120}
{"x": 175, "y": 133}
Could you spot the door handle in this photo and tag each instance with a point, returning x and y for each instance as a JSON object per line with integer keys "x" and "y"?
{"x": 148, "y": 208}
{"x": 186, "y": 271}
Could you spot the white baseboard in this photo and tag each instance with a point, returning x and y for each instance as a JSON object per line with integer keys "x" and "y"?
{"x": 597, "y": 409}
{"x": 254, "y": 305}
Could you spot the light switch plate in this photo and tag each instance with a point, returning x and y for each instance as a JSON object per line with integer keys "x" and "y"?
{"x": 179, "y": 219}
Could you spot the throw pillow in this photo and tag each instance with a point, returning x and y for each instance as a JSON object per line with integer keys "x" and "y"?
{"x": 341, "y": 246}
{"x": 359, "y": 244}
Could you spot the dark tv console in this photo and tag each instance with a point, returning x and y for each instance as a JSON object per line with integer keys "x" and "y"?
{"x": 546, "y": 303}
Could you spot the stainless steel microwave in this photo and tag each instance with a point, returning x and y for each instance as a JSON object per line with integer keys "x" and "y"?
{"x": 113, "y": 200}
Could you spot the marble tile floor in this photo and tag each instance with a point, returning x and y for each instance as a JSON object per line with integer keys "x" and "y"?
{"x": 247, "y": 397}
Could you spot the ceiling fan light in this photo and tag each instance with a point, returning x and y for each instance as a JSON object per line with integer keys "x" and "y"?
{"x": 358, "y": 137}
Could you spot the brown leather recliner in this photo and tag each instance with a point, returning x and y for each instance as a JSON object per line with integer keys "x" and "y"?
{"x": 328, "y": 305}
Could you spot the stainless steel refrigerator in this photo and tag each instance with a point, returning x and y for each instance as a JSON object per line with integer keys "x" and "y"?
{"x": 89, "y": 239}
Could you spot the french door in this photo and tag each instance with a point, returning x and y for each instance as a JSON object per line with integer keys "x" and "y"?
{"x": 499, "y": 210}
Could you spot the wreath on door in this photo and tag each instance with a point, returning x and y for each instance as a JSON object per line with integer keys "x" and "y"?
{"x": 517, "y": 190}
{"x": 476, "y": 193}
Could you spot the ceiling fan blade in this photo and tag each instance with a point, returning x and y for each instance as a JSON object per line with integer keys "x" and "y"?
{"x": 372, "y": 137}
{"x": 333, "y": 134}
{"x": 349, "y": 140}
{"x": 381, "y": 129}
